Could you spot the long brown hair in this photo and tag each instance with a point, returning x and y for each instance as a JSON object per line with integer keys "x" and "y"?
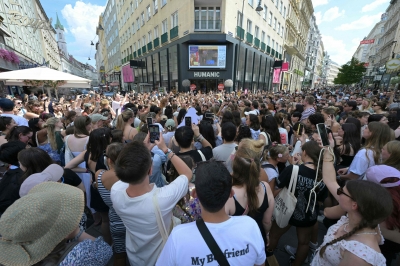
{"x": 372, "y": 211}
{"x": 246, "y": 171}
{"x": 393, "y": 147}
{"x": 80, "y": 124}
{"x": 123, "y": 118}
{"x": 380, "y": 135}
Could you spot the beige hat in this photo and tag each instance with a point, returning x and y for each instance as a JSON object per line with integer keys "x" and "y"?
{"x": 35, "y": 224}
{"x": 53, "y": 172}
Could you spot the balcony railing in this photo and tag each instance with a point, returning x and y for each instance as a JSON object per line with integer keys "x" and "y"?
{"x": 273, "y": 52}
{"x": 130, "y": 56}
{"x": 139, "y": 52}
{"x": 276, "y": 54}
{"x": 256, "y": 42}
{"x": 156, "y": 42}
{"x": 134, "y": 54}
{"x": 164, "y": 38}
{"x": 149, "y": 46}
{"x": 144, "y": 49}
{"x": 263, "y": 46}
{"x": 268, "y": 49}
{"x": 207, "y": 25}
{"x": 240, "y": 32}
{"x": 173, "y": 33}
{"x": 249, "y": 38}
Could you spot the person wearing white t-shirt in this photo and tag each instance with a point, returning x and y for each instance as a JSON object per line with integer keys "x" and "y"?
{"x": 238, "y": 237}
{"x": 117, "y": 103}
{"x": 133, "y": 197}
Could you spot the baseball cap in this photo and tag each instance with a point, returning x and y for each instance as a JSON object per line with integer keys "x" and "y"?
{"x": 170, "y": 123}
{"x": 53, "y": 172}
{"x": 97, "y": 117}
{"x": 379, "y": 172}
{"x": 6, "y": 104}
{"x": 250, "y": 113}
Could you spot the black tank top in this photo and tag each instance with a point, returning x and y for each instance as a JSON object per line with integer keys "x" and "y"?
{"x": 258, "y": 217}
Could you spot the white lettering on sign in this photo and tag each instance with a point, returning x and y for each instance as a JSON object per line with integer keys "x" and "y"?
{"x": 206, "y": 74}
{"x": 16, "y": 18}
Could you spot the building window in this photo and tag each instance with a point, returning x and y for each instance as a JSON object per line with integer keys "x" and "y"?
{"x": 240, "y": 19}
{"x": 283, "y": 32}
{"x": 284, "y": 12}
{"x": 174, "y": 20}
{"x": 144, "y": 40}
{"x": 149, "y": 36}
{"x": 164, "y": 26}
{"x": 280, "y": 7}
{"x": 273, "y": 44}
{"x": 270, "y": 18}
{"x": 148, "y": 9}
{"x": 262, "y": 36}
{"x": 249, "y": 26}
{"x": 142, "y": 19}
{"x": 133, "y": 28}
{"x": 274, "y": 26}
{"x": 136, "y": 3}
{"x": 265, "y": 13}
{"x": 256, "y": 32}
{"x": 163, "y": 3}
{"x": 250, "y": 2}
{"x": 207, "y": 18}
{"x": 279, "y": 28}
{"x": 155, "y": 6}
{"x": 156, "y": 32}
{"x": 276, "y": 3}
{"x": 138, "y": 23}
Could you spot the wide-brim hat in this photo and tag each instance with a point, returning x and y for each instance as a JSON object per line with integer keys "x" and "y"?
{"x": 35, "y": 224}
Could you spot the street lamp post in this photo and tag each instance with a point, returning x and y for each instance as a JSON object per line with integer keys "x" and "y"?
{"x": 258, "y": 9}
{"x": 269, "y": 78}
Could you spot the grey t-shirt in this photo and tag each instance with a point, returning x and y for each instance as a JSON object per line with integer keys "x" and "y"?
{"x": 222, "y": 152}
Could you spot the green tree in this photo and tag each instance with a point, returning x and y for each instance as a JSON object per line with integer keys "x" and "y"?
{"x": 350, "y": 73}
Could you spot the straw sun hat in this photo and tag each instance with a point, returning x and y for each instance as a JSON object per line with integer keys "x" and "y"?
{"x": 36, "y": 223}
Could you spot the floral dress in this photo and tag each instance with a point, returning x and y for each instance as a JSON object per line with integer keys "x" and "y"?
{"x": 187, "y": 209}
{"x": 334, "y": 253}
{"x": 89, "y": 253}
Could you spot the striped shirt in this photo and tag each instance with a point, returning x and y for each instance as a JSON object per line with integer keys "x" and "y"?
{"x": 306, "y": 113}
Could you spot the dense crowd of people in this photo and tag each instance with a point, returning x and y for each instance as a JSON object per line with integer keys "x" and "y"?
{"x": 201, "y": 178}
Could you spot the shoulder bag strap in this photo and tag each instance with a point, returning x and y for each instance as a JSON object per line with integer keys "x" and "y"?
{"x": 293, "y": 179}
{"x": 203, "y": 158}
{"x": 160, "y": 220}
{"x": 212, "y": 245}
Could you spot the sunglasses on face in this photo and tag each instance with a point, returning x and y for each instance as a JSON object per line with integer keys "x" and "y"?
{"x": 341, "y": 192}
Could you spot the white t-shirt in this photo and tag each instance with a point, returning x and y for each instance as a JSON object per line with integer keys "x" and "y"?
{"x": 239, "y": 238}
{"x": 116, "y": 106}
{"x": 20, "y": 121}
{"x": 143, "y": 238}
{"x": 284, "y": 135}
{"x": 271, "y": 172}
{"x": 222, "y": 152}
{"x": 363, "y": 160}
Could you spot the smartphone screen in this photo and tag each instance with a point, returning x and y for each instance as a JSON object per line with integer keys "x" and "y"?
{"x": 209, "y": 115}
{"x": 323, "y": 134}
{"x": 188, "y": 121}
{"x": 149, "y": 120}
{"x": 154, "y": 133}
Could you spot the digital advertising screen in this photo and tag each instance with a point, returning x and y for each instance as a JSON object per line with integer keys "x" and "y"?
{"x": 207, "y": 56}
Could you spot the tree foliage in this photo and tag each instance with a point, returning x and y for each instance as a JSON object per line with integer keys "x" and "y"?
{"x": 350, "y": 73}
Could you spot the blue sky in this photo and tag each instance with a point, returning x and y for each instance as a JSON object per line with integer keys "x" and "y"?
{"x": 80, "y": 19}
{"x": 344, "y": 23}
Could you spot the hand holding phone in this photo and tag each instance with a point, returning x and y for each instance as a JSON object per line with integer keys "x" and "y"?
{"x": 154, "y": 133}
{"x": 149, "y": 121}
{"x": 323, "y": 134}
{"x": 188, "y": 121}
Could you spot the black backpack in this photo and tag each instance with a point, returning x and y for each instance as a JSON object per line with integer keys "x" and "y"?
{"x": 9, "y": 188}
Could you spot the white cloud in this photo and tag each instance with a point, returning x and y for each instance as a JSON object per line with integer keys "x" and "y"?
{"x": 319, "y": 2}
{"x": 339, "y": 50}
{"x": 361, "y": 23}
{"x": 372, "y": 6}
{"x": 82, "y": 20}
{"x": 332, "y": 14}
{"x": 318, "y": 17}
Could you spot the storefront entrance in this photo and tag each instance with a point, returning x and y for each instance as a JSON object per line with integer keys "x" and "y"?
{"x": 206, "y": 85}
